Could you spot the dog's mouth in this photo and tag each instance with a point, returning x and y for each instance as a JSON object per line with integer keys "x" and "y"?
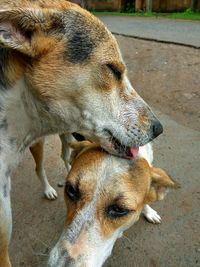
{"x": 116, "y": 146}
{"x": 121, "y": 149}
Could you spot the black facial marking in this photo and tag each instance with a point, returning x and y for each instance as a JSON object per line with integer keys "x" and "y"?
{"x": 79, "y": 46}
{"x": 4, "y": 124}
{"x": 5, "y": 193}
{"x": 81, "y": 37}
{"x": 3, "y": 62}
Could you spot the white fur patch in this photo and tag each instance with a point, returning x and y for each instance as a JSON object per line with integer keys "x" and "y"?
{"x": 151, "y": 215}
{"x": 146, "y": 152}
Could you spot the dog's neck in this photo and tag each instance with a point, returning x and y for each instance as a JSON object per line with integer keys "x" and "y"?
{"x": 23, "y": 119}
{"x": 17, "y": 123}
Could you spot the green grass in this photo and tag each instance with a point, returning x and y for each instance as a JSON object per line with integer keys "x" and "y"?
{"x": 185, "y": 15}
{"x": 188, "y": 15}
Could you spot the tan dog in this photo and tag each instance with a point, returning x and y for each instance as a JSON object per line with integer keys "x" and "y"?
{"x": 104, "y": 196}
{"x": 61, "y": 71}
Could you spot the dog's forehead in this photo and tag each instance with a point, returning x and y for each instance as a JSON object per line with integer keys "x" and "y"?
{"x": 85, "y": 35}
{"x": 123, "y": 181}
{"x": 97, "y": 161}
{"x": 100, "y": 173}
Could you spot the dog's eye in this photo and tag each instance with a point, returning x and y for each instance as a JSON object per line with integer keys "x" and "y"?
{"x": 115, "y": 211}
{"x": 117, "y": 74}
{"x": 72, "y": 192}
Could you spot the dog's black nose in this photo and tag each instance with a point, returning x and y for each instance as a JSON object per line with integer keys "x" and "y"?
{"x": 157, "y": 128}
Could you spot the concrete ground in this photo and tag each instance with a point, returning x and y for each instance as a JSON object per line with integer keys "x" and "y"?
{"x": 175, "y": 31}
{"x": 167, "y": 76}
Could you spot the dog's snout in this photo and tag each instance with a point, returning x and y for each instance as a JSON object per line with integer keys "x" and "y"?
{"x": 157, "y": 128}
{"x": 60, "y": 257}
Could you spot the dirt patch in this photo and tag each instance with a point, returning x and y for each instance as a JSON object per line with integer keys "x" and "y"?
{"x": 166, "y": 76}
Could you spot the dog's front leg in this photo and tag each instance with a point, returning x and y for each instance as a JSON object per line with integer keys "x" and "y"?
{"x": 37, "y": 151}
{"x": 5, "y": 221}
{"x": 66, "y": 150}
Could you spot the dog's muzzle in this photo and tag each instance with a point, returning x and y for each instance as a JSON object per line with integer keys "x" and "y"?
{"x": 120, "y": 148}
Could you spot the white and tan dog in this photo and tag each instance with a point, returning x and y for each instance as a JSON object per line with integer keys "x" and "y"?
{"x": 105, "y": 195}
{"x": 61, "y": 71}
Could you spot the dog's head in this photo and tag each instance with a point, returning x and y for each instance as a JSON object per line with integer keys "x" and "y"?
{"x": 73, "y": 66}
{"x": 104, "y": 196}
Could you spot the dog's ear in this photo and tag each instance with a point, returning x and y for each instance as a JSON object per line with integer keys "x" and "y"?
{"x": 18, "y": 27}
{"x": 77, "y": 148}
{"x": 160, "y": 184}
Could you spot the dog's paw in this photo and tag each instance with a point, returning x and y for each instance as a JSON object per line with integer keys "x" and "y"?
{"x": 50, "y": 193}
{"x": 151, "y": 215}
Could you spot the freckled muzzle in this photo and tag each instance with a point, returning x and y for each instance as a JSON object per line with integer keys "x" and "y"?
{"x": 91, "y": 253}
{"x": 59, "y": 257}
{"x": 67, "y": 254}
{"x": 124, "y": 145}
{"x": 80, "y": 245}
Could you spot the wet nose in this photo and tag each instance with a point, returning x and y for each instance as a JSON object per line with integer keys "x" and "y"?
{"x": 157, "y": 128}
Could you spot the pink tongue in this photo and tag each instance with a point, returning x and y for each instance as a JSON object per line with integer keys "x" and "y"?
{"x": 134, "y": 152}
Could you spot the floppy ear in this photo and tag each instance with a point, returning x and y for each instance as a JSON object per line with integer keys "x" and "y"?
{"x": 78, "y": 147}
{"x": 160, "y": 184}
{"x": 17, "y": 27}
